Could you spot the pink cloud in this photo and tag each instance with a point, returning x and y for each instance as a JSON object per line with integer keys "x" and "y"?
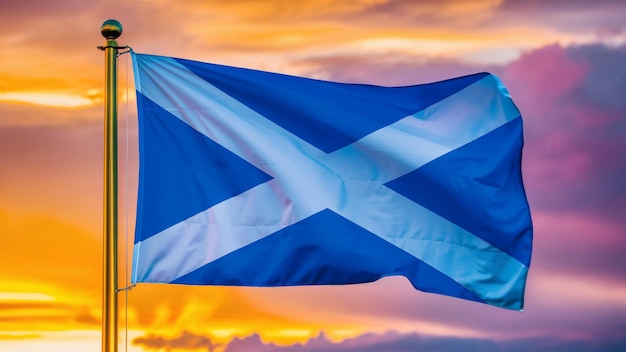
{"x": 547, "y": 74}
{"x": 573, "y": 157}
{"x": 389, "y": 341}
{"x": 385, "y": 70}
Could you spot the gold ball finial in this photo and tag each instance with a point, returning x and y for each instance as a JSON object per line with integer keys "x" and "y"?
{"x": 111, "y": 29}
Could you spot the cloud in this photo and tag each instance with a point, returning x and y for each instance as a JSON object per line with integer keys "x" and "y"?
{"x": 452, "y": 14}
{"x": 40, "y": 234}
{"x": 46, "y": 99}
{"x": 50, "y": 219}
{"x": 54, "y": 170}
{"x": 583, "y": 246}
{"x": 386, "y": 70}
{"x": 606, "y": 78}
{"x": 30, "y": 311}
{"x": 276, "y": 31}
{"x": 20, "y": 316}
{"x": 573, "y": 16}
{"x": 185, "y": 340}
{"x": 389, "y": 341}
{"x": 574, "y": 151}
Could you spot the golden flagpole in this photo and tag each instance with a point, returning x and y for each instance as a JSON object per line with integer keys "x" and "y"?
{"x": 111, "y": 30}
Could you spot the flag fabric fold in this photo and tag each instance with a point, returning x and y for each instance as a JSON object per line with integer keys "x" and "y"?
{"x": 254, "y": 178}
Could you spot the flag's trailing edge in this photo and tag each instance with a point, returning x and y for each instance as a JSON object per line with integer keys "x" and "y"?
{"x": 259, "y": 179}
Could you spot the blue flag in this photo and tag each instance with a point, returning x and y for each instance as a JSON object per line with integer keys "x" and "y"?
{"x": 253, "y": 178}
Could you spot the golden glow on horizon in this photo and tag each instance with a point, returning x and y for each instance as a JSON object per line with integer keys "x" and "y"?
{"x": 224, "y": 334}
{"x": 51, "y": 310}
{"x": 287, "y": 336}
{"x": 56, "y": 100}
{"x": 71, "y": 340}
{"x": 25, "y": 296}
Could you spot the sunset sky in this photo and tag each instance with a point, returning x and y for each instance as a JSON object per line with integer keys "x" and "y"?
{"x": 564, "y": 63}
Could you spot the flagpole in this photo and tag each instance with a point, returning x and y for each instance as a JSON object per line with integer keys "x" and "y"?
{"x": 111, "y": 30}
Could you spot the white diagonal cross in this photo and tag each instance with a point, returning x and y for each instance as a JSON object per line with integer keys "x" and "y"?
{"x": 349, "y": 181}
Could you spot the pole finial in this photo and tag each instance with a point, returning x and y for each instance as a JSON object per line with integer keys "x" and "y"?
{"x": 111, "y": 29}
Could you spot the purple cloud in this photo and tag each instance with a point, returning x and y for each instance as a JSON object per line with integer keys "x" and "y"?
{"x": 388, "y": 71}
{"x": 390, "y": 341}
{"x": 575, "y": 155}
{"x": 573, "y": 16}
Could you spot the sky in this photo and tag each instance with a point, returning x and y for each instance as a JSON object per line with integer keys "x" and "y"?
{"x": 562, "y": 61}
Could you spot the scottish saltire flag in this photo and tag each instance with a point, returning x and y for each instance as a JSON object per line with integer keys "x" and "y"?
{"x": 260, "y": 179}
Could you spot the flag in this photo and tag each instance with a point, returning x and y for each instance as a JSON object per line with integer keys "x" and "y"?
{"x": 253, "y": 178}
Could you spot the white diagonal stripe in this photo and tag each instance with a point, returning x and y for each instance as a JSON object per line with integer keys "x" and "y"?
{"x": 306, "y": 180}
